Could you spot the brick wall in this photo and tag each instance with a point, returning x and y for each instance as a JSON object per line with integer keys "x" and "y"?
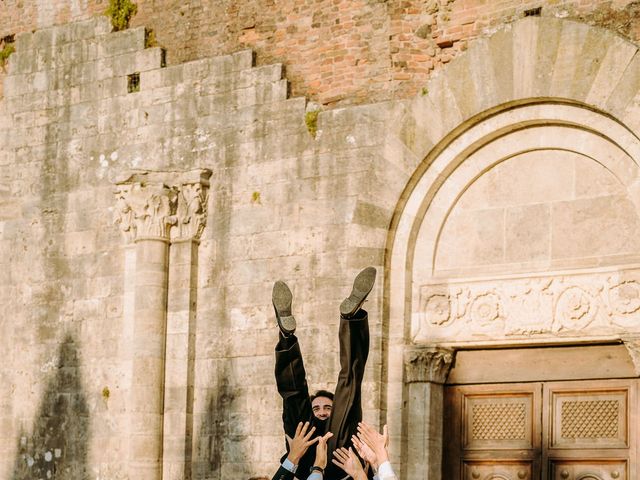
{"x": 335, "y": 51}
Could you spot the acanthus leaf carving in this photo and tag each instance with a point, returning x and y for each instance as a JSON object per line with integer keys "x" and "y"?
{"x": 152, "y": 205}
{"x": 427, "y": 365}
{"x": 192, "y": 209}
{"x": 123, "y": 214}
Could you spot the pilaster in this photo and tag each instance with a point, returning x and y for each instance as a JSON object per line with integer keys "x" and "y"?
{"x": 152, "y": 208}
{"x": 426, "y": 370}
{"x": 191, "y": 216}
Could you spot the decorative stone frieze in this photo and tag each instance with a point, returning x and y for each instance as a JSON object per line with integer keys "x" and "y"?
{"x": 162, "y": 205}
{"x": 597, "y": 302}
{"x": 427, "y": 365}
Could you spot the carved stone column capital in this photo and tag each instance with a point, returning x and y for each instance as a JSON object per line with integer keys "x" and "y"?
{"x": 162, "y": 205}
{"x": 428, "y": 364}
{"x": 192, "y": 208}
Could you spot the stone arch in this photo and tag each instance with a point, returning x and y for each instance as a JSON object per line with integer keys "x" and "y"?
{"x": 538, "y": 85}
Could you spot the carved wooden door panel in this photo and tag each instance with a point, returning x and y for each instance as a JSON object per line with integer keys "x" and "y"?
{"x": 575, "y": 430}
{"x": 590, "y": 430}
{"x": 493, "y": 432}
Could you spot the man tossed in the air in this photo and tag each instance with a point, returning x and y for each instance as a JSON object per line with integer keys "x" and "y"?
{"x": 341, "y": 414}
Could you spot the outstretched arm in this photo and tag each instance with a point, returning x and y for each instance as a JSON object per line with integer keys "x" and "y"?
{"x": 320, "y": 462}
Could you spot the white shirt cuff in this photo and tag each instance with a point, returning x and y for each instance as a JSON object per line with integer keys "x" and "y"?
{"x": 385, "y": 470}
{"x": 288, "y": 465}
{"x": 315, "y": 476}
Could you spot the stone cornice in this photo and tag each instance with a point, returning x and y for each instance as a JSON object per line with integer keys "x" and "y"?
{"x": 162, "y": 205}
{"x": 428, "y": 364}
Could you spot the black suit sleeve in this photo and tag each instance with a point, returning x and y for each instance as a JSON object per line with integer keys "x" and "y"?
{"x": 283, "y": 474}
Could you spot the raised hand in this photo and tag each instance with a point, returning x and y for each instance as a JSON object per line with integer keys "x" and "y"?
{"x": 377, "y": 442}
{"x": 321, "y": 451}
{"x": 363, "y": 450}
{"x": 348, "y": 461}
{"x": 301, "y": 441}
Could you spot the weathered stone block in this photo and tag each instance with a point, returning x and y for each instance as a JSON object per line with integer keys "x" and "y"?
{"x": 594, "y": 227}
{"x": 120, "y": 43}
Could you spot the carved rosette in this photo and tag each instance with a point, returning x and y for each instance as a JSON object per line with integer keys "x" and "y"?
{"x": 574, "y": 309}
{"x": 162, "y": 205}
{"x": 625, "y": 297}
{"x": 485, "y": 309}
{"x": 427, "y": 365}
{"x": 437, "y": 309}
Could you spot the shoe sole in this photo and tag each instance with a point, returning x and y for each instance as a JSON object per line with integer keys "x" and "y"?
{"x": 362, "y": 286}
{"x": 281, "y": 298}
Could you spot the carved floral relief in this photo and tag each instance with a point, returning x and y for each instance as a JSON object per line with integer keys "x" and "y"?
{"x": 585, "y": 302}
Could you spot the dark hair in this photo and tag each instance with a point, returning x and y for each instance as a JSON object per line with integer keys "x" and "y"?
{"x": 322, "y": 393}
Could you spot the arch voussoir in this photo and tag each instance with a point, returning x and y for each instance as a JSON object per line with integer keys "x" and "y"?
{"x": 614, "y": 65}
{"x": 626, "y": 89}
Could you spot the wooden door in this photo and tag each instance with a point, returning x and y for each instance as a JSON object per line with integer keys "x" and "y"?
{"x": 493, "y": 431}
{"x": 574, "y": 430}
{"x": 590, "y": 430}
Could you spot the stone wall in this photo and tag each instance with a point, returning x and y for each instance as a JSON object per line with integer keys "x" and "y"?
{"x": 335, "y": 52}
{"x": 149, "y": 208}
{"x": 82, "y": 347}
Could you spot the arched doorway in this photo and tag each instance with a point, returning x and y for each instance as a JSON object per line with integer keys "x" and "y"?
{"x": 520, "y": 227}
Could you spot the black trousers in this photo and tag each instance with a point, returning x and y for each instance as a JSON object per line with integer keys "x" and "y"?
{"x": 347, "y": 402}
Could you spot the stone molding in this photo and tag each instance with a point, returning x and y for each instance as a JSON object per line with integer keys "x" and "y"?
{"x": 429, "y": 364}
{"x": 167, "y": 206}
{"x": 598, "y": 302}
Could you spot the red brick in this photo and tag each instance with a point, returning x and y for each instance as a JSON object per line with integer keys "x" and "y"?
{"x": 348, "y": 54}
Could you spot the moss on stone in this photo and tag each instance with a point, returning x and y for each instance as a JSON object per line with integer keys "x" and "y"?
{"x": 311, "y": 120}
{"x": 5, "y": 53}
{"x": 150, "y": 40}
{"x": 120, "y": 13}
